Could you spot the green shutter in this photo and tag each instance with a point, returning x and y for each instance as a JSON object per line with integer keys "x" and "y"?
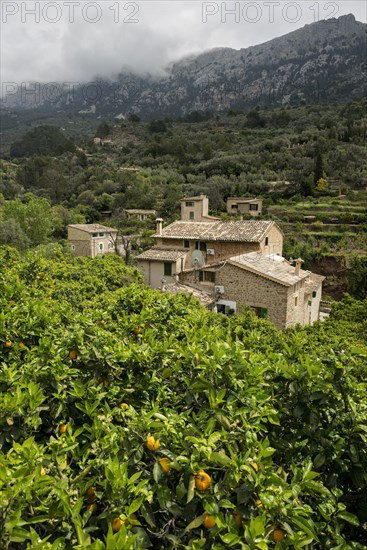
{"x": 212, "y": 277}
{"x": 201, "y": 275}
{"x": 168, "y": 269}
{"x": 314, "y": 294}
{"x": 263, "y": 312}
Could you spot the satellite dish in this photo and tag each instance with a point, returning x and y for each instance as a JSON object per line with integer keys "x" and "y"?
{"x": 197, "y": 258}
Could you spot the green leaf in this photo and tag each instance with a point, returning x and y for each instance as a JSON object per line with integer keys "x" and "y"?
{"x": 257, "y": 526}
{"x": 191, "y": 489}
{"x": 230, "y": 539}
{"x": 135, "y": 505}
{"x": 220, "y": 458}
{"x": 157, "y": 472}
{"x": 59, "y": 544}
{"x": 306, "y": 526}
{"x": 350, "y": 518}
{"x": 319, "y": 460}
{"x": 195, "y": 523}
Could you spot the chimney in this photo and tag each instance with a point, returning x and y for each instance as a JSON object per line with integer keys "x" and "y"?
{"x": 297, "y": 267}
{"x": 159, "y": 223}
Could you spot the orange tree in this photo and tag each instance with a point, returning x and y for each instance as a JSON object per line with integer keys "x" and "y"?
{"x": 132, "y": 419}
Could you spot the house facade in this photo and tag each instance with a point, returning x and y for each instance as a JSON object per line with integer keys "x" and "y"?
{"x": 238, "y": 205}
{"x": 141, "y": 215}
{"x": 270, "y": 285}
{"x": 187, "y": 245}
{"x": 91, "y": 239}
{"x": 231, "y": 264}
{"x": 195, "y": 209}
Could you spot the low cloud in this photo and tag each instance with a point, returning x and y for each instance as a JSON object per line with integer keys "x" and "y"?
{"x": 79, "y": 40}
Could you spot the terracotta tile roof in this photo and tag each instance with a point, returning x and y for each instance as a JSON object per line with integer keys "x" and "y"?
{"x": 205, "y": 298}
{"x": 235, "y": 231}
{"x": 197, "y": 198}
{"x": 243, "y": 200}
{"x": 274, "y": 269}
{"x": 137, "y": 211}
{"x": 93, "y": 227}
{"x": 162, "y": 255}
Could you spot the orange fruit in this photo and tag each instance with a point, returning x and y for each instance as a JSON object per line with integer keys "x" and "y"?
{"x": 101, "y": 322}
{"x": 259, "y": 504}
{"x": 8, "y": 344}
{"x": 124, "y": 406}
{"x": 164, "y": 464}
{"x": 152, "y": 443}
{"x": 237, "y": 518}
{"x": 137, "y": 330}
{"x": 209, "y": 521}
{"x": 106, "y": 383}
{"x": 92, "y": 507}
{"x": 278, "y": 535}
{"x": 43, "y": 472}
{"x": 91, "y": 493}
{"x": 63, "y": 428}
{"x": 202, "y": 480}
{"x": 255, "y": 466}
{"x": 73, "y": 354}
{"x": 21, "y": 345}
{"x": 116, "y": 524}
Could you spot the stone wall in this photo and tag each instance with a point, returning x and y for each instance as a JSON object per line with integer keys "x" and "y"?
{"x": 275, "y": 242}
{"x": 249, "y": 289}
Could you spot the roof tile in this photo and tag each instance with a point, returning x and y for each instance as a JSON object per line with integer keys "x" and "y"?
{"x": 235, "y": 231}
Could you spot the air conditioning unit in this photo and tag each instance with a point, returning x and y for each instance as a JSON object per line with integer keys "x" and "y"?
{"x": 210, "y": 251}
{"x": 219, "y": 289}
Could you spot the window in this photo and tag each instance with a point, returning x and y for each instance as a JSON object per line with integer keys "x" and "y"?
{"x": 100, "y": 247}
{"x": 110, "y": 246}
{"x": 72, "y": 247}
{"x": 314, "y": 294}
{"x": 200, "y": 246}
{"x": 207, "y": 276}
{"x": 296, "y": 301}
{"x": 191, "y": 215}
{"x": 261, "y": 312}
{"x": 254, "y": 207}
{"x": 266, "y": 241}
{"x": 189, "y": 203}
{"x": 94, "y": 235}
{"x": 100, "y": 234}
{"x": 234, "y": 206}
{"x": 167, "y": 269}
{"x": 186, "y": 244}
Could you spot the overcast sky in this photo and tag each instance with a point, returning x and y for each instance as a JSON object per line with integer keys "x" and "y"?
{"x": 77, "y": 40}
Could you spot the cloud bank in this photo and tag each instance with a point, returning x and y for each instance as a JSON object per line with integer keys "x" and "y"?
{"x": 67, "y": 40}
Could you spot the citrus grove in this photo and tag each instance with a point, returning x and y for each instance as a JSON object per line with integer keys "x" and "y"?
{"x": 130, "y": 419}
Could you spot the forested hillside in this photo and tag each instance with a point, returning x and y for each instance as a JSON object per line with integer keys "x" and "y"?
{"x": 132, "y": 419}
{"x": 298, "y": 160}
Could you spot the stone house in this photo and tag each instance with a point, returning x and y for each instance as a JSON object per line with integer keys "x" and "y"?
{"x": 238, "y": 205}
{"x": 141, "y": 215}
{"x": 184, "y": 245}
{"x": 229, "y": 264}
{"x": 276, "y": 290}
{"x": 195, "y": 209}
{"x": 91, "y": 239}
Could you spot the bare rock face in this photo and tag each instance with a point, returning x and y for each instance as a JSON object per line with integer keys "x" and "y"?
{"x": 323, "y": 61}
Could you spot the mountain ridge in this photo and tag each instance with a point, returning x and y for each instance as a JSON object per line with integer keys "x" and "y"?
{"x": 322, "y": 61}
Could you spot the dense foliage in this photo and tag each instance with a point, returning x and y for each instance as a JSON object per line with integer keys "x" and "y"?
{"x": 101, "y": 381}
{"x": 232, "y": 155}
{"x": 42, "y": 140}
